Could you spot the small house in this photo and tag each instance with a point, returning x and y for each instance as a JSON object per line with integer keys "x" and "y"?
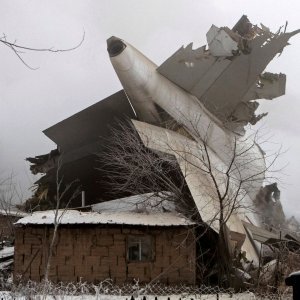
{"x": 139, "y": 237}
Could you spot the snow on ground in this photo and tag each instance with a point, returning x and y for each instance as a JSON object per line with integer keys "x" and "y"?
{"x": 5, "y": 264}
{"x": 245, "y": 296}
{"x": 6, "y": 251}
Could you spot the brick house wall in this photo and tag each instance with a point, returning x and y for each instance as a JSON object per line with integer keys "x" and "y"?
{"x": 95, "y": 253}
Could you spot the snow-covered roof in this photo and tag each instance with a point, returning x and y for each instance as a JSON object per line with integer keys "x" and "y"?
{"x": 147, "y": 209}
{"x": 108, "y": 217}
{"x": 12, "y": 213}
{"x": 150, "y": 202}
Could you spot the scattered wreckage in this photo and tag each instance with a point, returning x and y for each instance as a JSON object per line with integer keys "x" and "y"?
{"x": 209, "y": 93}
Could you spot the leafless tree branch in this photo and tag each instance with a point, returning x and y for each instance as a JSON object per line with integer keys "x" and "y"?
{"x": 15, "y": 47}
{"x": 133, "y": 168}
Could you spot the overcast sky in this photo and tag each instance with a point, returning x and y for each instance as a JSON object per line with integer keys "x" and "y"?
{"x": 65, "y": 83}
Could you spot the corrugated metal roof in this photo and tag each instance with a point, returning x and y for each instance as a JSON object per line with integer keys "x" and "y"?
{"x": 126, "y": 218}
{"x": 150, "y": 203}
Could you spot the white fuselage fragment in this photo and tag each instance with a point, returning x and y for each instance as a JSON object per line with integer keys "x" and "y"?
{"x": 189, "y": 155}
{"x": 146, "y": 87}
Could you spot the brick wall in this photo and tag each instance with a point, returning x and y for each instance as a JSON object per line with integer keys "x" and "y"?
{"x": 95, "y": 253}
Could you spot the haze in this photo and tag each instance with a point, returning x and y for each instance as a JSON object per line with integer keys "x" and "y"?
{"x": 66, "y": 83}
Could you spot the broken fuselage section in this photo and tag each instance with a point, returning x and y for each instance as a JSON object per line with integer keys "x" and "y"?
{"x": 211, "y": 93}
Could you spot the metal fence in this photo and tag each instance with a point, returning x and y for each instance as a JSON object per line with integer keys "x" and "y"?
{"x": 108, "y": 290}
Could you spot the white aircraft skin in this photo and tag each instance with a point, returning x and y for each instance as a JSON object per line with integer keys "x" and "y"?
{"x": 145, "y": 86}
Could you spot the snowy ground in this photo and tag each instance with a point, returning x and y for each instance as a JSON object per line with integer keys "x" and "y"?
{"x": 245, "y": 296}
{"x": 6, "y": 251}
{"x": 5, "y": 264}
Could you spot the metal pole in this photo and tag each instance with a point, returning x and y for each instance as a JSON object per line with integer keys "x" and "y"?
{"x": 83, "y": 199}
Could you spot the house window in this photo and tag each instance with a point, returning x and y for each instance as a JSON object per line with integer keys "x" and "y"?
{"x": 139, "y": 248}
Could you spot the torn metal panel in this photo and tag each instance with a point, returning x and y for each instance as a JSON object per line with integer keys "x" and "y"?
{"x": 269, "y": 86}
{"x": 235, "y": 224}
{"x": 259, "y": 234}
{"x": 187, "y": 68}
{"x": 220, "y": 43}
{"x": 292, "y": 245}
{"x": 236, "y": 241}
{"x": 267, "y": 272}
{"x": 43, "y": 163}
{"x": 227, "y": 76}
{"x": 242, "y": 73}
{"x": 241, "y": 274}
{"x": 243, "y": 27}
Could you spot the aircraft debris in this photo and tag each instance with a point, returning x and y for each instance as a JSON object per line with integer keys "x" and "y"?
{"x": 230, "y": 69}
{"x": 220, "y": 43}
{"x": 209, "y": 93}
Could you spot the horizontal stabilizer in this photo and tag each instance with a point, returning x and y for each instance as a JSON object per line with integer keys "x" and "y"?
{"x": 228, "y": 75}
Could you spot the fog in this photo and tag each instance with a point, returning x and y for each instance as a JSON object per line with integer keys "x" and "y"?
{"x": 68, "y": 82}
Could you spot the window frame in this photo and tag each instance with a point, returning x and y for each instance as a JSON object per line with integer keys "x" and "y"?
{"x": 140, "y": 237}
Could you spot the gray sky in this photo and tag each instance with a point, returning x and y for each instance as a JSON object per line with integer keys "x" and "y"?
{"x": 66, "y": 83}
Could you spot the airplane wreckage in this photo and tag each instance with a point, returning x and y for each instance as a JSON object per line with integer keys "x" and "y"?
{"x": 209, "y": 93}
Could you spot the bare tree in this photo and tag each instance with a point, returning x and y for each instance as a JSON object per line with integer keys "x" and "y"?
{"x": 10, "y": 196}
{"x": 132, "y": 168}
{"x": 19, "y": 50}
{"x": 135, "y": 164}
{"x": 62, "y": 190}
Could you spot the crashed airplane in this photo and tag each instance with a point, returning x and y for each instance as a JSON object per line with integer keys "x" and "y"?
{"x": 210, "y": 94}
